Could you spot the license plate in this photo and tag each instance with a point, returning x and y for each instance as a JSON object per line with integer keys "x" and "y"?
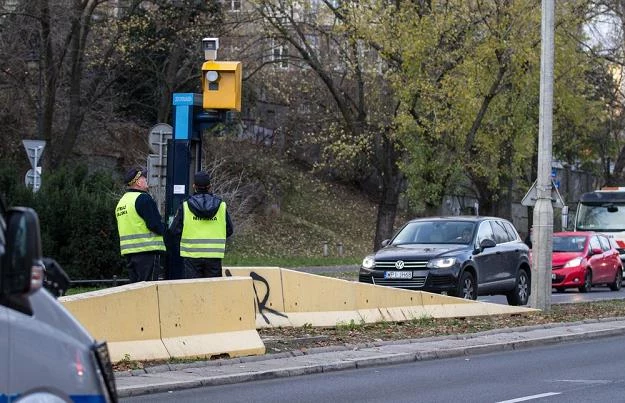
{"x": 553, "y": 276}
{"x": 398, "y": 274}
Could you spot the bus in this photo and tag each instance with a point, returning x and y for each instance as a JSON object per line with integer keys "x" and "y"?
{"x": 604, "y": 211}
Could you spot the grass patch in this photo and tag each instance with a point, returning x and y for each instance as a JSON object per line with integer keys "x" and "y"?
{"x": 287, "y": 261}
{"x": 311, "y": 212}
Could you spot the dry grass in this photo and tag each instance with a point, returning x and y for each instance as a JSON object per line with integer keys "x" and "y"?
{"x": 288, "y": 339}
{"x": 296, "y": 211}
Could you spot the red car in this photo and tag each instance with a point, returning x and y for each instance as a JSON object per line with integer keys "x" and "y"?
{"x": 583, "y": 259}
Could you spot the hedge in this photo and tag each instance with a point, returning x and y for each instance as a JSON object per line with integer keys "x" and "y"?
{"x": 76, "y": 213}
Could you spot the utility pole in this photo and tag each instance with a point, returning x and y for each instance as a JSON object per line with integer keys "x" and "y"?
{"x": 543, "y": 210}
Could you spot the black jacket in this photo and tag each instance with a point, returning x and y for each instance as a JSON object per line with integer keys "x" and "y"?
{"x": 202, "y": 205}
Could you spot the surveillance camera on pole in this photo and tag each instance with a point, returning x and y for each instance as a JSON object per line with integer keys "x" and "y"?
{"x": 210, "y": 45}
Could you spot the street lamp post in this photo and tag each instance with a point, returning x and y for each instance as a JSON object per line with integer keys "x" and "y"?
{"x": 540, "y": 297}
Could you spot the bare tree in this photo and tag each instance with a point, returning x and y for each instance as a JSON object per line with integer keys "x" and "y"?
{"x": 336, "y": 97}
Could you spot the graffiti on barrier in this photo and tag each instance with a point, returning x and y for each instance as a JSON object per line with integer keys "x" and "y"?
{"x": 260, "y": 302}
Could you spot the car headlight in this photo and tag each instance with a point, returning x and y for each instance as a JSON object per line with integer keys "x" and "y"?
{"x": 441, "y": 263}
{"x": 368, "y": 263}
{"x": 573, "y": 262}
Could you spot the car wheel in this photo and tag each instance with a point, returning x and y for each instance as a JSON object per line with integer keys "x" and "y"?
{"x": 587, "y": 282}
{"x": 618, "y": 281}
{"x": 467, "y": 288}
{"x": 521, "y": 292}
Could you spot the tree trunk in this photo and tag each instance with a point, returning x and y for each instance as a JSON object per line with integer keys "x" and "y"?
{"x": 392, "y": 179}
{"x": 387, "y": 211}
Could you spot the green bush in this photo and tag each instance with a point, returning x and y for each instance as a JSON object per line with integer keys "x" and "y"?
{"x": 76, "y": 212}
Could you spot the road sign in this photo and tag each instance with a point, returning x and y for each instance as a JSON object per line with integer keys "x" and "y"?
{"x": 34, "y": 149}
{"x": 530, "y": 197}
{"x": 33, "y": 178}
{"x": 157, "y": 170}
{"x": 158, "y": 136}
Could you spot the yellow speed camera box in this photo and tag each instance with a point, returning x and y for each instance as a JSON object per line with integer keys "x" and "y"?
{"x": 221, "y": 85}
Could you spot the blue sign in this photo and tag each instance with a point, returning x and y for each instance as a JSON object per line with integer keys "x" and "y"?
{"x": 187, "y": 99}
{"x": 553, "y": 172}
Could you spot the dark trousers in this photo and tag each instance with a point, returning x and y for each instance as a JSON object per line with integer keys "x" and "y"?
{"x": 201, "y": 267}
{"x": 144, "y": 266}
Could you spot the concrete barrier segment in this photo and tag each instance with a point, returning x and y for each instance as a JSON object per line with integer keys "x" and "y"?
{"x": 319, "y": 301}
{"x": 209, "y": 317}
{"x": 476, "y": 308}
{"x": 267, "y": 285}
{"x": 291, "y": 298}
{"x": 304, "y": 292}
{"x": 126, "y": 317}
{"x": 229, "y": 344}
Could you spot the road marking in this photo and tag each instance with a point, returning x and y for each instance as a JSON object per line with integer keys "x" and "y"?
{"x": 526, "y": 398}
{"x": 586, "y": 381}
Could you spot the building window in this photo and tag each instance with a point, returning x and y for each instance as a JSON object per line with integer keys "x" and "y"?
{"x": 233, "y": 5}
{"x": 280, "y": 54}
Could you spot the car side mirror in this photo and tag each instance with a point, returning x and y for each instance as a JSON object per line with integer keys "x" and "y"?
{"x": 385, "y": 242}
{"x": 596, "y": 251}
{"x": 487, "y": 243}
{"x": 22, "y": 270}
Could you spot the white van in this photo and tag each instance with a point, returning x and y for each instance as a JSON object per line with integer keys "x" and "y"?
{"x": 45, "y": 354}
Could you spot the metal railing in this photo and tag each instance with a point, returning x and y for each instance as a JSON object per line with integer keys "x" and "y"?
{"x": 115, "y": 281}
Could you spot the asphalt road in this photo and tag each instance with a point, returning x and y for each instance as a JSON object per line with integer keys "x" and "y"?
{"x": 590, "y": 371}
{"x": 570, "y": 296}
{"x": 597, "y": 293}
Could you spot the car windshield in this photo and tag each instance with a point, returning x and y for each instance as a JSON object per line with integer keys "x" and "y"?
{"x": 435, "y": 232}
{"x": 569, "y": 243}
{"x": 596, "y": 217}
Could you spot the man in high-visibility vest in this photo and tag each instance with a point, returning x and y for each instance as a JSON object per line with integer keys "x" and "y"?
{"x": 140, "y": 228}
{"x": 202, "y": 224}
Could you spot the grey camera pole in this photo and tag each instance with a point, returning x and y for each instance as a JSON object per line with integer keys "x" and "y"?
{"x": 543, "y": 210}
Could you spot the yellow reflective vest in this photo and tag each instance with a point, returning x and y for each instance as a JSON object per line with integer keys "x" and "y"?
{"x": 134, "y": 235}
{"x": 203, "y": 237}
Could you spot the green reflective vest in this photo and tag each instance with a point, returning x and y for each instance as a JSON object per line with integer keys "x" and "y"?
{"x": 134, "y": 235}
{"x": 203, "y": 237}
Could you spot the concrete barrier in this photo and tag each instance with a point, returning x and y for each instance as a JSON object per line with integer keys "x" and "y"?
{"x": 126, "y": 317}
{"x": 291, "y": 298}
{"x": 209, "y": 317}
{"x": 315, "y": 300}
{"x": 268, "y": 299}
{"x": 213, "y": 317}
{"x": 167, "y": 319}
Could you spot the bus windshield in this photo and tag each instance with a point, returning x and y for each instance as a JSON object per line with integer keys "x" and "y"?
{"x": 601, "y": 217}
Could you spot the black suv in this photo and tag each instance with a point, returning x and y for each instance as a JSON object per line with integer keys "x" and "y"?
{"x": 463, "y": 256}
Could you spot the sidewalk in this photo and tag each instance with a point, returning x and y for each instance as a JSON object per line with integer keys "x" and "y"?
{"x": 171, "y": 377}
